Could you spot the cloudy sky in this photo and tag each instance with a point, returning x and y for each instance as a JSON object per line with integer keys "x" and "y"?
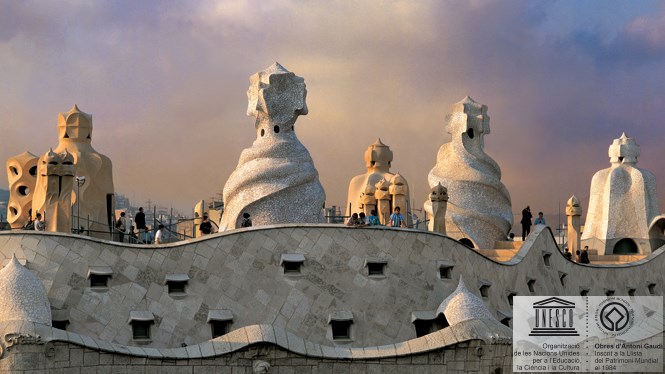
{"x": 166, "y": 84}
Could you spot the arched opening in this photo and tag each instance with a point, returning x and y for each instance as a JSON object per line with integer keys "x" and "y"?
{"x": 33, "y": 170}
{"x": 469, "y": 132}
{"x": 467, "y": 242}
{"x": 13, "y": 170}
{"x": 625, "y": 246}
{"x": 657, "y": 233}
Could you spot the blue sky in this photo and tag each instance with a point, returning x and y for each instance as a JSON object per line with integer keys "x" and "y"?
{"x": 166, "y": 82}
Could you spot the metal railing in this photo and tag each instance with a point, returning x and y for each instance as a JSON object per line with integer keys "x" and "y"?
{"x": 417, "y": 224}
{"x": 171, "y": 233}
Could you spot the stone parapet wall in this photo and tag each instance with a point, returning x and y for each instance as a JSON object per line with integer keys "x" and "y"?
{"x": 62, "y": 357}
{"x": 469, "y": 346}
{"x": 241, "y": 271}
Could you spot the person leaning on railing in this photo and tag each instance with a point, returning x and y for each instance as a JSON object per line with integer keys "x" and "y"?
{"x": 159, "y": 237}
{"x": 205, "y": 227}
{"x": 373, "y": 219}
{"x": 38, "y": 223}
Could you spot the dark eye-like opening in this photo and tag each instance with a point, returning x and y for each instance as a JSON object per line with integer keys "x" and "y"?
{"x": 292, "y": 267}
{"x": 376, "y": 269}
{"x": 33, "y": 171}
{"x": 469, "y": 132}
{"x": 13, "y": 170}
{"x": 61, "y": 325}
{"x": 66, "y": 135}
{"x": 219, "y": 328}
{"x": 99, "y": 280}
{"x": 141, "y": 329}
{"x": 276, "y": 128}
{"x": 263, "y": 132}
{"x": 341, "y": 329}
{"x": 23, "y": 190}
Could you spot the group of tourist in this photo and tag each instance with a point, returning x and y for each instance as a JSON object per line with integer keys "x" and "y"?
{"x": 206, "y": 227}
{"x": 526, "y": 221}
{"x": 582, "y": 257}
{"x": 37, "y": 224}
{"x": 357, "y": 220}
{"x": 139, "y": 233}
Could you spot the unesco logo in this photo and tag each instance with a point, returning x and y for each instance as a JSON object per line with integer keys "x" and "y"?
{"x": 554, "y": 317}
{"x": 614, "y": 316}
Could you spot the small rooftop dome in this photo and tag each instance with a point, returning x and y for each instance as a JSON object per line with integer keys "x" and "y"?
{"x": 462, "y": 305}
{"x": 22, "y": 295}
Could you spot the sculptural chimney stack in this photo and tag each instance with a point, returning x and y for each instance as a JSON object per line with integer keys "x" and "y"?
{"x": 383, "y": 201}
{"x": 275, "y": 180}
{"x": 480, "y": 208}
{"x": 378, "y": 188}
{"x": 573, "y": 212}
{"x": 54, "y": 188}
{"x": 22, "y": 175}
{"x": 439, "y": 199}
{"x": 622, "y": 203}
